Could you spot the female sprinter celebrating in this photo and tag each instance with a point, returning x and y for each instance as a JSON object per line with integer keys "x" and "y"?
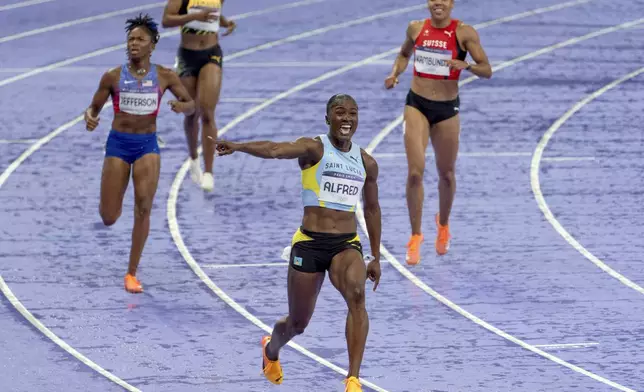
{"x": 440, "y": 45}
{"x": 199, "y": 64}
{"x": 335, "y": 173}
{"x": 136, "y": 89}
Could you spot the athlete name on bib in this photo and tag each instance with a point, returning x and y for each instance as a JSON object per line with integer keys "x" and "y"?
{"x": 340, "y": 188}
{"x": 432, "y": 61}
{"x": 138, "y": 103}
{"x": 214, "y": 6}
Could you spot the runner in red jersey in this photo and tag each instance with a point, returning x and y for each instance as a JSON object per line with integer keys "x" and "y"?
{"x": 440, "y": 45}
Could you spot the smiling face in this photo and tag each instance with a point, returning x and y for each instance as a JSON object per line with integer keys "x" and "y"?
{"x": 440, "y": 9}
{"x": 139, "y": 44}
{"x": 342, "y": 118}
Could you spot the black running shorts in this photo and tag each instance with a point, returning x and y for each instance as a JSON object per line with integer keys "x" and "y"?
{"x": 434, "y": 111}
{"x": 313, "y": 252}
{"x": 190, "y": 62}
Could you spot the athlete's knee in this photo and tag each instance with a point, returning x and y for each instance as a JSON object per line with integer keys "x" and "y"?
{"x": 415, "y": 175}
{"x": 109, "y": 217}
{"x": 208, "y": 118}
{"x": 109, "y": 220}
{"x": 354, "y": 291}
{"x": 447, "y": 176}
{"x": 142, "y": 206}
{"x": 297, "y": 325}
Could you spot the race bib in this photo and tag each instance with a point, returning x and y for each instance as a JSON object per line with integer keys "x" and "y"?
{"x": 196, "y": 6}
{"x": 340, "y": 188}
{"x": 432, "y": 61}
{"x": 138, "y": 103}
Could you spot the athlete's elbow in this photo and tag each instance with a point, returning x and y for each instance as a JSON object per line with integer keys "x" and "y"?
{"x": 167, "y": 22}
{"x": 275, "y": 152}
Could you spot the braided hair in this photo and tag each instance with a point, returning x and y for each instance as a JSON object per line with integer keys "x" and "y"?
{"x": 147, "y": 23}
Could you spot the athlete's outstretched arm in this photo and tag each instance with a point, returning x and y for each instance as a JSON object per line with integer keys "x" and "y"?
{"x": 402, "y": 60}
{"x": 472, "y": 43}
{"x": 372, "y": 215}
{"x": 301, "y": 148}
{"x": 185, "y": 103}
{"x": 101, "y": 96}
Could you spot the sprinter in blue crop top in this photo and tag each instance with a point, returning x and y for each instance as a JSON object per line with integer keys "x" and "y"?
{"x": 336, "y": 174}
{"x": 136, "y": 88}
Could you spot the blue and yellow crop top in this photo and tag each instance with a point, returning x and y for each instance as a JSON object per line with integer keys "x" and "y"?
{"x": 336, "y": 181}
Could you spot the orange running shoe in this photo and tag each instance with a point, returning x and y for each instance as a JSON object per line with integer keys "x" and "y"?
{"x": 443, "y": 237}
{"x": 272, "y": 369}
{"x": 352, "y": 385}
{"x": 413, "y": 249}
{"x": 132, "y": 284}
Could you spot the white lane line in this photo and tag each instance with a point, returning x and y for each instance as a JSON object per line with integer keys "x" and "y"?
{"x": 6, "y": 291}
{"x": 269, "y": 10}
{"x": 301, "y": 64}
{"x": 18, "y": 141}
{"x": 243, "y": 265}
{"x": 567, "y": 159}
{"x": 242, "y": 100}
{"x": 54, "y": 338}
{"x": 536, "y": 185}
{"x": 259, "y": 64}
{"x": 181, "y": 174}
{"x": 240, "y": 64}
{"x": 418, "y": 282}
{"x": 481, "y": 154}
{"x": 309, "y": 64}
{"x": 22, "y": 4}
{"x": 62, "y": 69}
{"x": 76, "y": 22}
{"x": 337, "y": 26}
{"x": 487, "y": 154}
{"x": 566, "y": 345}
{"x": 16, "y": 302}
{"x": 114, "y": 48}
{"x": 246, "y": 265}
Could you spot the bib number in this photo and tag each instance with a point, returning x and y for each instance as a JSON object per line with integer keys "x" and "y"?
{"x": 340, "y": 188}
{"x": 432, "y": 61}
{"x": 138, "y": 103}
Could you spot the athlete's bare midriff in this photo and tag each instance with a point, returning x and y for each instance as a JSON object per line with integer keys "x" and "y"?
{"x": 199, "y": 42}
{"x": 326, "y": 220}
{"x": 435, "y": 90}
{"x": 129, "y": 123}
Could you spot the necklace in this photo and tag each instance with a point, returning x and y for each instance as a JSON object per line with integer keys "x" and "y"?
{"x": 140, "y": 71}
